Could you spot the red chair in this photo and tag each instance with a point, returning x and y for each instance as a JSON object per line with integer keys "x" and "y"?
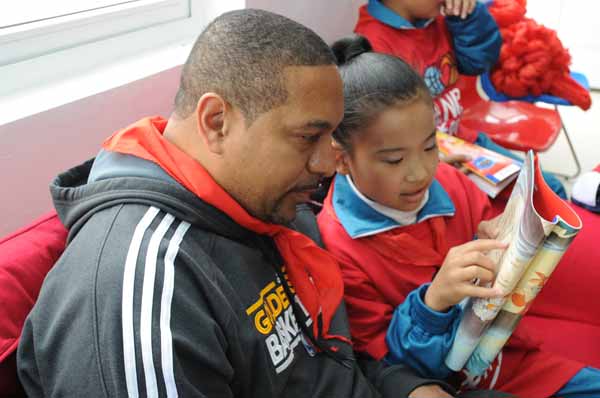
{"x": 513, "y": 124}
{"x": 26, "y": 256}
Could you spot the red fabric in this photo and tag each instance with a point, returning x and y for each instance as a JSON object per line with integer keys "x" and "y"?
{"x": 313, "y": 272}
{"x": 532, "y": 58}
{"x": 26, "y": 256}
{"x": 9, "y": 383}
{"x": 428, "y": 47}
{"x": 570, "y": 297}
{"x": 377, "y": 280}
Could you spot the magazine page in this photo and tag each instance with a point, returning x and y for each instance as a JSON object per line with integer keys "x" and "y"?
{"x": 560, "y": 224}
{"x": 521, "y": 228}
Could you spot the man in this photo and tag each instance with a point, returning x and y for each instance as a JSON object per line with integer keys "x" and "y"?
{"x": 180, "y": 278}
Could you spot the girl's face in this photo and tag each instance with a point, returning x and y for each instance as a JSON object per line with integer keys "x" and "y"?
{"x": 393, "y": 160}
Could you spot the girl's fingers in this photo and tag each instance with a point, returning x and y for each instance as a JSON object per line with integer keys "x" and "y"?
{"x": 449, "y": 7}
{"x": 479, "y": 245}
{"x": 488, "y": 231}
{"x": 455, "y": 158}
{"x": 473, "y": 5}
{"x": 482, "y": 292}
{"x": 479, "y": 260}
{"x": 472, "y": 272}
{"x": 466, "y": 4}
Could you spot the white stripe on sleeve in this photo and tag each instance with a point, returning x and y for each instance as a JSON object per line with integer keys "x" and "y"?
{"x": 165, "y": 310}
{"x": 127, "y": 302}
{"x": 147, "y": 298}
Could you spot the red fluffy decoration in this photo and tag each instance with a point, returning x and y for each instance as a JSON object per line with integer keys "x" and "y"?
{"x": 532, "y": 58}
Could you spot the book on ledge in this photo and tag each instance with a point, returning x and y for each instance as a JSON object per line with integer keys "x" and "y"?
{"x": 538, "y": 227}
{"x": 489, "y": 170}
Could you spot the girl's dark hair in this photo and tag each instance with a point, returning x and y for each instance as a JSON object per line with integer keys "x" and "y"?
{"x": 372, "y": 82}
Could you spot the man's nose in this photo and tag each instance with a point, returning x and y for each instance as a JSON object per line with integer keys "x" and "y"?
{"x": 322, "y": 160}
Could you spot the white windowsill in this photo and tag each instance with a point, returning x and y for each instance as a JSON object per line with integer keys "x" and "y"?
{"x": 41, "y": 98}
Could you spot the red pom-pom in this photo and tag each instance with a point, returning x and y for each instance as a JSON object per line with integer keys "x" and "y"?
{"x": 532, "y": 58}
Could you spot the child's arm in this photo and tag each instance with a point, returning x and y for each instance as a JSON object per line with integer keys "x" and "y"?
{"x": 476, "y": 40}
{"x": 423, "y": 326}
{"x": 369, "y": 316}
{"x": 421, "y": 337}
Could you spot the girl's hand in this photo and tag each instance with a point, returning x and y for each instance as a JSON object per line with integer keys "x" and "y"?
{"x": 488, "y": 229}
{"x": 462, "y": 8}
{"x": 463, "y": 265}
{"x": 456, "y": 160}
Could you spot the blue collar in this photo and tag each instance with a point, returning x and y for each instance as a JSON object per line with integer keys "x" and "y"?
{"x": 383, "y": 14}
{"x": 360, "y": 220}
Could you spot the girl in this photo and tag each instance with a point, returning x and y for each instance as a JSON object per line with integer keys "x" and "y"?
{"x": 396, "y": 219}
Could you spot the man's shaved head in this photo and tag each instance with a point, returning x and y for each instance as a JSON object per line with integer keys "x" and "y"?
{"x": 241, "y": 56}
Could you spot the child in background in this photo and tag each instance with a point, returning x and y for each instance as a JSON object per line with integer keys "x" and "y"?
{"x": 465, "y": 40}
{"x": 402, "y": 229}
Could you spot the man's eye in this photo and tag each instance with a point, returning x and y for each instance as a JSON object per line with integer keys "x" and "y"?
{"x": 311, "y": 137}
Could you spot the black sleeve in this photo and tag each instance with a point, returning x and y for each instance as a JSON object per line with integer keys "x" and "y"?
{"x": 27, "y": 367}
{"x": 395, "y": 380}
{"x": 485, "y": 394}
{"x": 187, "y": 353}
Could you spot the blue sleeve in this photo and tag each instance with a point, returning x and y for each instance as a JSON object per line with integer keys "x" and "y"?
{"x": 476, "y": 40}
{"x": 586, "y": 383}
{"x": 420, "y": 337}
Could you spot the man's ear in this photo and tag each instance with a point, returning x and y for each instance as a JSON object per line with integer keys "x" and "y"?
{"x": 341, "y": 158}
{"x": 210, "y": 113}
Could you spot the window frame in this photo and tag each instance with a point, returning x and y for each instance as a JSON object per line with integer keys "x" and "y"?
{"x": 25, "y": 41}
{"x": 51, "y": 67}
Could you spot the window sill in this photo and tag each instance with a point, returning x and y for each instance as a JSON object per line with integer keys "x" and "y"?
{"x": 23, "y": 103}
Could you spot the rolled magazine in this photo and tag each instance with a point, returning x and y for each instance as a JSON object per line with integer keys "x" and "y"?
{"x": 538, "y": 226}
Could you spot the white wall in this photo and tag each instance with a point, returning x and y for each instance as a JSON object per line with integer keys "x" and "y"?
{"x": 35, "y": 149}
{"x": 331, "y": 19}
{"x": 576, "y": 22}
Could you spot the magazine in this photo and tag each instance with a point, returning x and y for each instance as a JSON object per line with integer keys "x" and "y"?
{"x": 490, "y": 171}
{"x": 538, "y": 227}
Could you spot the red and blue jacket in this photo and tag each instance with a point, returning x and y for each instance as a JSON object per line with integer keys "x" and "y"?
{"x": 387, "y": 267}
{"x": 438, "y": 49}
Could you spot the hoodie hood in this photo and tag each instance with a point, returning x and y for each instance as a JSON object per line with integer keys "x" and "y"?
{"x": 113, "y": 179}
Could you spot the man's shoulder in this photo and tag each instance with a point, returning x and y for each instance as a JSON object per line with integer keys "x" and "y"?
{"x": 114, "y": 238}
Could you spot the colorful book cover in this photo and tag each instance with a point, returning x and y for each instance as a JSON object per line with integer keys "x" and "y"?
{"x": 538, "y": 226}
{"x": 491, "y": 166}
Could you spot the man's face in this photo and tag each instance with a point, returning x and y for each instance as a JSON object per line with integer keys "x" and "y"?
{"x": 278, "y": 161}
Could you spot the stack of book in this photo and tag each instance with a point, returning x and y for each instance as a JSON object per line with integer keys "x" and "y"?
{"x": 490, "y": 171}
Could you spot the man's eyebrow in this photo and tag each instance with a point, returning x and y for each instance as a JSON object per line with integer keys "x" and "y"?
{"x": 318, "y": 124}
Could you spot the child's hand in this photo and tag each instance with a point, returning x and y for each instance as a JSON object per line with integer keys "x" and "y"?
{"x": 456, "y": 160}
{"x": 488, "y": 229}
{"x": 429, "y": 391}
{"x": 462, "y": 8}
{"x": 464, "y": 264}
